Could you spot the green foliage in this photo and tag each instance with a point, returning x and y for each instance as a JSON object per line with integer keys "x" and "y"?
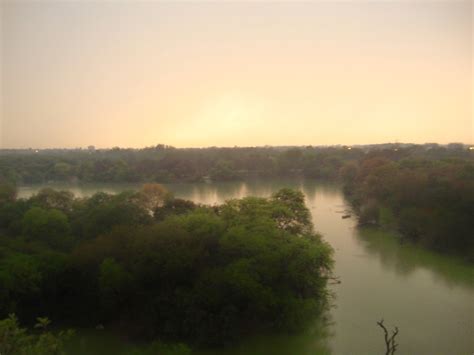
{"x": 11, "y": 214}
{"x": 292, "y": 216}
{"x": 20, "y": 280}
{"x": 431, "y": 202}
{"x": 114, "y": 284}
{"x": 173, "y": 206}
{"x": 223, "y": 170}
{"x": 62, "y": 170}
{"x": 210, "y": 277}
{"x": 48, "y": 226}
{"x": 152, "y": 196}
{"x": 7, "y": 192}
{"x": 369, "y": 213}
{"x": 165, "y": 268}
{"x": 42, "y": 323}
{"x": 102, "y": 212}
{"x": 48, "y": 198}
{"x": 387, "y": 218}
{"x": 15, "y": 340}
{"x": 161, "y": 348}
{"x": 167, "y": 164}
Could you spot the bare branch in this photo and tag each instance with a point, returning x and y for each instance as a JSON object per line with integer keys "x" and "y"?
{"x": 390, "y": 344}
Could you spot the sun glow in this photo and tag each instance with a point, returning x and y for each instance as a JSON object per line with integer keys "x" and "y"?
{"x": 250, "y": 74}
{"x": 225, "y": 116}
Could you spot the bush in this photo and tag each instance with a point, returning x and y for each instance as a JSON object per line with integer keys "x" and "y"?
{"x": 15, "y": 340}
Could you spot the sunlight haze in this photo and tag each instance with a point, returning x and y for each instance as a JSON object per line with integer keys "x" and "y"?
{"x": 135, "y": 74}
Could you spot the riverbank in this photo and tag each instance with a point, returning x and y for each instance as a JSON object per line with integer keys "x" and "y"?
{"x": 426, "y": 294}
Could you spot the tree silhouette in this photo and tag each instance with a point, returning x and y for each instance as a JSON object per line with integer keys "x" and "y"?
{"x": 390, "y": 344}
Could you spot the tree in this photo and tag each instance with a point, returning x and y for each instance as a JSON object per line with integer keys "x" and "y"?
{"x": 48, "y": 226}
{"x": 114, "y": 283}
{"x": 174, "y": 206}
{"x": 8, "y": 192}
{"x": 212, "y": 275}
{"x": 369, "y": 213}
{"x": 20, "y": 282}
{"x": 101, "y": 212}
{"x": 49, "y": 198}
{"x": 62, "y": 170}
{"x": 349, "y": 172}
{"x": 291, "y": 212}
{"x": 223, "y": 170}
{"x": 153, "y": 196}
{"x": 289, "y": 161}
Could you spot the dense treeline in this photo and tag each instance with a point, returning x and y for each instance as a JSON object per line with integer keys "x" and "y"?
{"x": 424, "y": 191}
{"x": 430, "y": 202}
{"x": 167, "y": 164}
{"x": 157, "y": 267}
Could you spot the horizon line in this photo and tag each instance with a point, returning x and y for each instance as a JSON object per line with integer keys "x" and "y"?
{"x": 168, "y": 146}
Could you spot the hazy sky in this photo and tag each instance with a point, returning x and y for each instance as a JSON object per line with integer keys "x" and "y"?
{"x": 134, "y": 74}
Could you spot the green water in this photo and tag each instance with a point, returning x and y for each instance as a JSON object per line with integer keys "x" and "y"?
{"x": 430, "y": 297}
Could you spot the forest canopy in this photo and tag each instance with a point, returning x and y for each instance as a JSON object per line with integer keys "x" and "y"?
{"x": 429, "y": 202}
{"x": 167, "y": 164}
{"x": 160, "y": 267}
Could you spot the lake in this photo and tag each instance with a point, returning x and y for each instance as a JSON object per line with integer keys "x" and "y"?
{"x": 430, "y": 297}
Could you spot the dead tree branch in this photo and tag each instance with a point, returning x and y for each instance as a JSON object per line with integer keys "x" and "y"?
{"x": 390, "y": 344}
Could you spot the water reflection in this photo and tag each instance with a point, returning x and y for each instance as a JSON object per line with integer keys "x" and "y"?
{"x": 429, "y": 296}
{"x": 405, "y": 258}
{"x": 310, "y": 343}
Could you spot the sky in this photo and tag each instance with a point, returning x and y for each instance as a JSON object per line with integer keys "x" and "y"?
{"x": 248, "y": 73}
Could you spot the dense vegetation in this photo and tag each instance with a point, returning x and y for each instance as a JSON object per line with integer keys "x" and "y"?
{"x": 41, "y": 340}
{"x": 156, "y": 267}
{"x": 430, "y": 202}
{"x": 167, "y": 164}
{"x": 423, "y": 191}
{"x": 152, "y": 266}
{"x": 15, "y": 340}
